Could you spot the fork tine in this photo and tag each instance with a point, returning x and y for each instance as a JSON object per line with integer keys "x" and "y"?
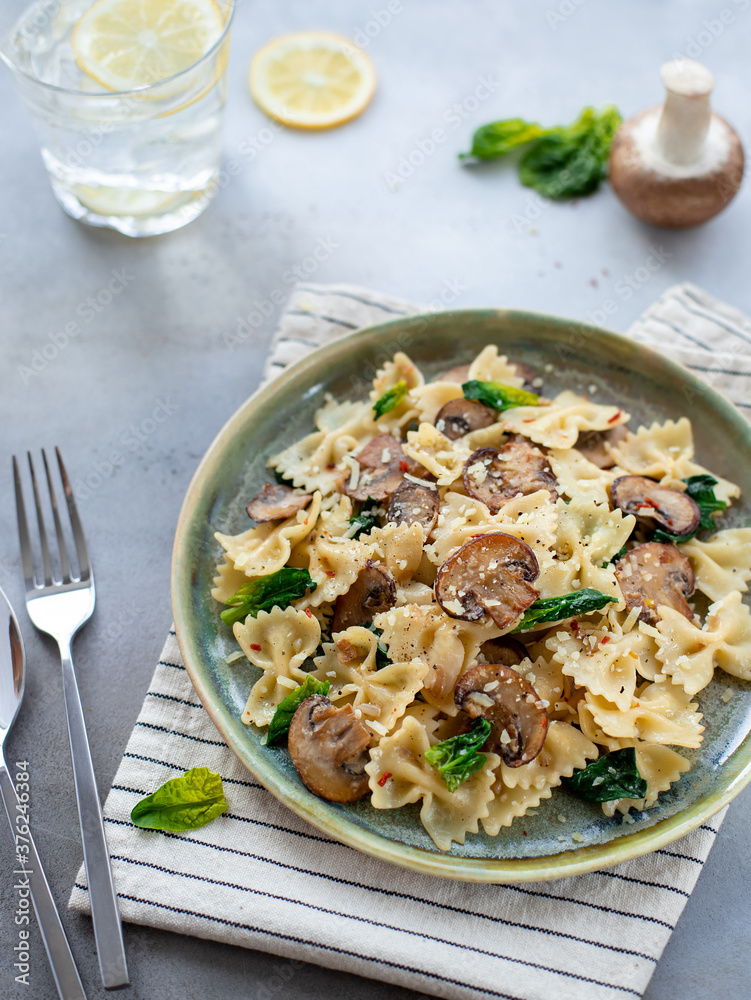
{"x": 84, "y": 564}
{"x": 23, "y": 530}
{"x": 46, "y": 561}
{"x": 64, "y": 561}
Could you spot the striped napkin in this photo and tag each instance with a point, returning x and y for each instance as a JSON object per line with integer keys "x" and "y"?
{"x": 260, "y": 877}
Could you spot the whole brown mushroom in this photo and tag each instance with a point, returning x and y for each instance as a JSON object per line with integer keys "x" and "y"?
{"x": 677, "y": 165}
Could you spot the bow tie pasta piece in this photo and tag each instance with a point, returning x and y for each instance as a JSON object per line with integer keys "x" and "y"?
{"x": 266, "y": 548}
{"x": 227, "y": 581}
{"x": 490, "y": 366}
{"x": 446, "y": 646}
{"x": 661, "y": 713}
{"x": 558, "y": 425}
{"x": 722, "y": 564}
{"x": 580, "y": 478}
{"x": 400, "y": 369}
{"x": 432, "y": 397}
{"x": 659, "y": 766}
{"x": 565, "y": 750}
{"x": 447, "y": 816}
{"x": 398, "y": 547}
{"x": 665, "y": 451}
{"x": 509, "y": 804}
{"x": 316, "y": 462}
{"x": 414, "y": 592}
{"x": 278, "y": 641}
{"x": 532, "y": 518}
{"x": 334, "y": 415}
{"x": 556, "y": 692}
{"x": 435, "y": 452}
{"x": 689, "y": 654}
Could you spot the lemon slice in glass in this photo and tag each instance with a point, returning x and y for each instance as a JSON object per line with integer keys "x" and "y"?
{"x": 312, "y": 79}
{"x": 128, "y": 44}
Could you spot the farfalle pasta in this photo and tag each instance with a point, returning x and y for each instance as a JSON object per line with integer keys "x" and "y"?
{"x": 464, "y": 594}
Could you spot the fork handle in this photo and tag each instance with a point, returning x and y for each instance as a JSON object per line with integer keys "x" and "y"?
{"x": 30, "y": 871}
{"x": 108, "y": 931}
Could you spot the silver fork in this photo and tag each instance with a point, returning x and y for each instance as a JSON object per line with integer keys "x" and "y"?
{"x": 59, "y": 606}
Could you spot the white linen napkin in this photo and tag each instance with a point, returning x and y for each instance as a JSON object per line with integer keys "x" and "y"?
{"x": 260, "y": 877}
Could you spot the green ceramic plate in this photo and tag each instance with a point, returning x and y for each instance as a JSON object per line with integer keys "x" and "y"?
{"x": 568, "y": 355}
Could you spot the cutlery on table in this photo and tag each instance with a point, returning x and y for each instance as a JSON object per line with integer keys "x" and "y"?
{"x": 59, "y": 606}
{"x": 12, "y": 677}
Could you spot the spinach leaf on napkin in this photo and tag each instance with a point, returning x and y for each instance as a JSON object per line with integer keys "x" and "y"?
{"x": 185, "y": 803}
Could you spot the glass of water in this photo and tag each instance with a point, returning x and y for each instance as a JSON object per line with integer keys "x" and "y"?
{"x": 127, "y": 97}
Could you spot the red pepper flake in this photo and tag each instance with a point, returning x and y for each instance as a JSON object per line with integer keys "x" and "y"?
{"x": 575, "y": 625}
{"x": 524, "y": 832}
{"x": 330, "y": 572}
{"x": 384, "y": 778}
{"x": 615, "y": 417}
{"x": 308, "y": 612}
{"x": 404, "y": 466}
{"x": 254, "y": 645}
{"x": 605, "y": 638}
{"x": 529, "y": 420}
{"x": 330, "y": 465}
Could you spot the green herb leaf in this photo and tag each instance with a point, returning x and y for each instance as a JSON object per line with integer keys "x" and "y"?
{"x": 184, "y": 803}
{"x": 612, "y": 776}
{"x": 556, "y": 609}
{"x": 457, "y": 759}
{"x": 614, "y": 559}
{"x": 498, "y": 138}
{"x": 366, "y": 518}
{"x": 570, "y": 162}
{"x": 701, "y": 489}
{"x": 288, "y": 706}
{"x": 498, "y": 395}
{"x": 390, "y": 399}
{"x": 278, "y": 590}
{"x": 382, "y": 651}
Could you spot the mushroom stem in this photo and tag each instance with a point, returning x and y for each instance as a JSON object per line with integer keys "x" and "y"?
{"x": 686, "y": 114}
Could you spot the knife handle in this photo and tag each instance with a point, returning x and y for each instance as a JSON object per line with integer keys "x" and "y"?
{"x": 62, "y": 963}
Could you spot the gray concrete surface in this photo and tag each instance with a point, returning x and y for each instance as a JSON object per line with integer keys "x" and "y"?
{"x": 473, "y": 237}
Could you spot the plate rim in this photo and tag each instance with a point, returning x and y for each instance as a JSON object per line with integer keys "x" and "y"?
{"x": 735, "y": 775}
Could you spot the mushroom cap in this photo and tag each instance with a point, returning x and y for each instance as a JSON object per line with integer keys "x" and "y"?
{"x": 489, "y": 575}
{"x": 656, "y": 506}
{"x": 276, "y": 501}
{"x": 413, "y": 503}
{"x": 504, "y": 650}
{"x": 672, "y": 202}
{"x": 382, "y": 475}
{"x": 511, "y": 705}
{"x": 329, "y": 748}
{"x": 594, "y": 445}
{"x": 373, "y": 591}
{"x": 653, "y": 574}
{"x": 461, "y": 416}
{"x": 495, "y": 477}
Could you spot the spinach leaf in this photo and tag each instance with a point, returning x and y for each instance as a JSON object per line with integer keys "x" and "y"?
{"x": 390, "y": 399}
{"x": 278, "y": 590}
{"x": 498, "y": 395}
{"x": 498, "y": 138}
{"x": 612, "y": 776}
{"x": 701, "y": 489}
{"x": 366, "y": 518}
{"x": 614, "y": 559}
{"x": 457, "y": 759}
{"x": 382, "y": 651}
{"x": 555, "y": 609}
{"x": 286, "y": 708}
{"x": 184, "y": 803}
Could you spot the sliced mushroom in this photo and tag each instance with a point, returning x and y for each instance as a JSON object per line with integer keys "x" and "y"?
{"x": 329, "y": 748}
{"x": 413, "y": 503}
{"x": 459, "y": 374}
{"x": 505, "y": 650}
{"x": 495, "y": 477}
{"x": 373, "y": 591}
{"x": 460, "y": 416}
{"x": 656, "y": 506}
{"x": 384, "y": 464}
{"x": 276, "y": 501}
{"x": 594, "y": 445}
{"x": 511, "y": 705}
{"x": 652, "y": 574}
{"x": 490, "y": 575}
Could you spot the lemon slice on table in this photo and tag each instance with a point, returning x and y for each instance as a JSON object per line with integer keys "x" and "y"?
{"x": 127, "y": 44}
{"x": 312, "y": 79}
